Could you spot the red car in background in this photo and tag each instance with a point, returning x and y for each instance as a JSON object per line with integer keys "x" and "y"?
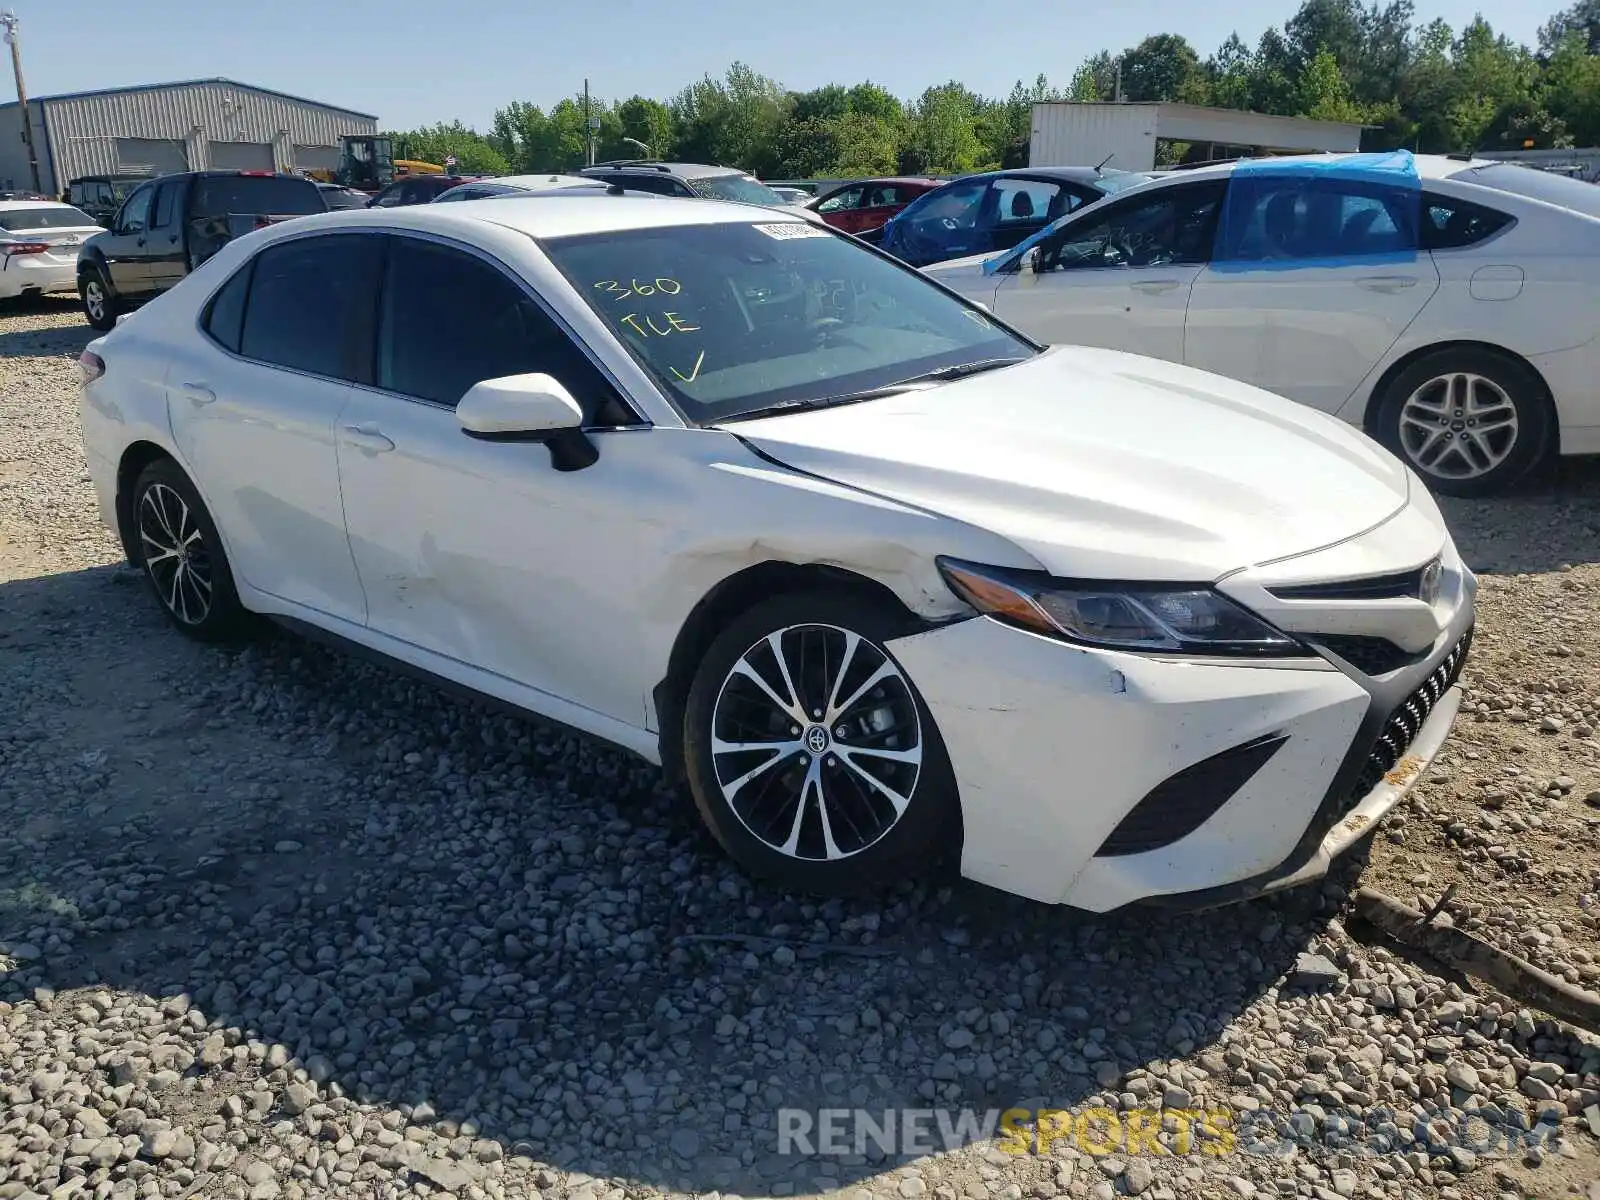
{"x": 868, "y": 203}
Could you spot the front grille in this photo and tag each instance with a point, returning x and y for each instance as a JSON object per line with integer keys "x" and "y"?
{"x": 1403, "y": 725}
{"x": 1399, "y": 586}
{"x": 1371, "y": 655}
{"x": 1183, "y": 802}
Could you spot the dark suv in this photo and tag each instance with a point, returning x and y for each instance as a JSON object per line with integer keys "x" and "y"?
{"x": 101, "y": 195}
{"x": 688, "y": 179}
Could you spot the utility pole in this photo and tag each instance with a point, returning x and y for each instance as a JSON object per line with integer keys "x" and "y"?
{"x": 9, "y": 20}
{"x": 588, "y": 129}
{"x": 1117, "y": 94}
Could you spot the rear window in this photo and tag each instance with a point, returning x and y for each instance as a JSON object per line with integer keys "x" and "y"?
{"x": 1536, "y": 185}
{"x": 263, "y": 195}
{"x": 736, "y": 187}
{"x": 46, "y": 216}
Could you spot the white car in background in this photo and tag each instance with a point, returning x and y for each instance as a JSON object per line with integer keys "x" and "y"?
{"x": 882, "y": 579}
{"x": 39, "y": 241}
{"x": 1450, "y": 307}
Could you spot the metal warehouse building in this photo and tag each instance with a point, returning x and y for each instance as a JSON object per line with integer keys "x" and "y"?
{"x": 200, "y": 124}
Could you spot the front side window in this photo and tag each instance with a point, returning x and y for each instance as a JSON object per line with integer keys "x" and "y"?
{"x": 310, "y": 304}
{"x": 736, "y": 187}
{"x": 389, "y": 197}
{"x": 448, "y": 320}
{"x": 731, "y": 318}
{"x": 135, "y": 214}
{"x": 839, "y": 201}
{"x": 1166, "y": 228}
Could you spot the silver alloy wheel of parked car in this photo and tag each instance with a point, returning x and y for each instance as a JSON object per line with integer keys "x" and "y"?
{"x": 817, "y": 742}
{"x": 1459, "y": 425}
{"x": 175, "y": 554}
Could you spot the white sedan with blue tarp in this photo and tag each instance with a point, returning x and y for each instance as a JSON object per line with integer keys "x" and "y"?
{"x": 1445, "y": 305}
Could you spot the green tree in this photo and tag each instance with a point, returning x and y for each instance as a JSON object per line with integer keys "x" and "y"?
{"x": 1324, "y": 94}
{"x": 647, "y": 121}
{"x": 1571, "y": 90}
{"x": 475, "y": 154}
{"x": 1162, "y": 67}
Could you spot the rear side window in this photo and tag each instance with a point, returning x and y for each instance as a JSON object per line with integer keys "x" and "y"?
{"x": 1449, "y": 224}
{"x": 310, "y": 305}
{"x": 224, "y": 316}
{"x": 450, "y": 320}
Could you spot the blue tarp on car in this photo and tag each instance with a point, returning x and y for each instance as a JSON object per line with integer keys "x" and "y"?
{"x": 1283, "y": 214}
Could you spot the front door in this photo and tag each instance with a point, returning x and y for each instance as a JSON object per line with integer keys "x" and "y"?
{"x": 481, "y": 551}
{"x": 254, "y": 407}
{"x": 1118, "y": 278}
{"x": 1313, "y": 283}
{"x": 125, "y": 246}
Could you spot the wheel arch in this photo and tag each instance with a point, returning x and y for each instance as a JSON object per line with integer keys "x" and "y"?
{"x": 731, "y": 596}
{"x": 136, "y": 456}
{"x": 1375, "y": 397}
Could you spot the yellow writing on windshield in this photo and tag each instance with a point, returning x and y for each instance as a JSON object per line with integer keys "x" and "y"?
{"x": 648, "y": 326}
{"x": 694, "y": 372}
{"x": 635, "y": 287}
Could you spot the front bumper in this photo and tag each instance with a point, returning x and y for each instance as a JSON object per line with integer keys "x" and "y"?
{"x": 1054, "y": 746}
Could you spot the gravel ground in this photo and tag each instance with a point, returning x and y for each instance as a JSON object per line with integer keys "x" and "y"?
{"x": 276, "y": 923}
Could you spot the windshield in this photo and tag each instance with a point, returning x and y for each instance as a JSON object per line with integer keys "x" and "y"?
{"x": 735, "y": 187}
{"x": 1536, "y": 185}
{"x": 255, "y": 195}
{"x": 52, "y": 216}
{"x": 734, "y": 317}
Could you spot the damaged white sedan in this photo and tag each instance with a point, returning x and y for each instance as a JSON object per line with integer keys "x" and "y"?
{"x": 884, "y": 580}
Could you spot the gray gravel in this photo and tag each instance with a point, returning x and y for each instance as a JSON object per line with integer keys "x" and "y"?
{"x": 276, "y": 923}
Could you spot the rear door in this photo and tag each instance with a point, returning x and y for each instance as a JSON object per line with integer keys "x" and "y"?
{"x": 1118, "y": 278}
{"x": 1314, "y": 279}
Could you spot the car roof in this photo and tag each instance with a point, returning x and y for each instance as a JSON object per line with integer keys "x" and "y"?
{"x": 13, "y": 205}
{"x": 1065, "y": 174}
{"x": 534, "y": 181}
{"x": 557, "y": 214}
{"x": 1428, "y": 166}
{"x": 686, "y": 170}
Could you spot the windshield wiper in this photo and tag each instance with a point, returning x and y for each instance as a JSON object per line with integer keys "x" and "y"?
{"x": 911, "y": 383}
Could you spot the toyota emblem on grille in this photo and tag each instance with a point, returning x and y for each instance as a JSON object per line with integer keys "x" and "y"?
{"x": 1428, "y": 585}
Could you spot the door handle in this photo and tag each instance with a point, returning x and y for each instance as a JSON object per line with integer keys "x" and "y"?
{"x": 1155, "y": 286}
{"x": 366, "y": 438}
{"x": 199, "y": 393}
{"x": 140, "y": 242}
{"x": 1387, "y": 283}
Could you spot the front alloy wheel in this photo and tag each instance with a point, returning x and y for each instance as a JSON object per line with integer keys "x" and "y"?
{"x": 99, "y": 308}
{"x": 810, "y": 754}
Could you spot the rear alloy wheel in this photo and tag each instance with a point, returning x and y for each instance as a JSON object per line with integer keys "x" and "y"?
{"x": 100, "y": 307}
{"x": 811, "y": 757}
{"x": 1469, "y": 421}
{"x": 182, "y": 556}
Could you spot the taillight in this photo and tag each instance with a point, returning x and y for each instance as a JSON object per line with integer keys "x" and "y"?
{"x": 91, "y": 366}
{"x": 13, "y": 249}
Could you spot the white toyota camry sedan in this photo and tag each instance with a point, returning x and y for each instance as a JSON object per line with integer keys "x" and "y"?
{"x": 882, "y": 579}
{"x": 1447, "y": 306}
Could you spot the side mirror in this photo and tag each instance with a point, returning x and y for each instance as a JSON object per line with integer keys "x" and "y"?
{"x": 1030, "y": 261}
{"x": 528, "y": 408}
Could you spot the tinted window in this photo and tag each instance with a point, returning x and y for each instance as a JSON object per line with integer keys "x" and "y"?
{"x": 310, "y": 304}
{"x": 1448, "y": 224}
{"x": 1276, "y": 219}
{"x": 732, "y": 317}
{"x": 165, "y": 206}
{"x": 450, "y": 320}
{"x": 254, "y": 195}
{"x": 1536, "y": 184}
{"x": 389, "y": 197}
{"x": 135, "y": 214}
{"x": 54, "y": 216}
{"x": 1025, "y": 202}
{"x": 1175, "y": 225}
{"x": 224, "y": 316}
{"x": 660, "y": 185}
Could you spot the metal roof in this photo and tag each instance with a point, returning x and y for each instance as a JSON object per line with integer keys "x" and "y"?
{"x": 182, "y": 83}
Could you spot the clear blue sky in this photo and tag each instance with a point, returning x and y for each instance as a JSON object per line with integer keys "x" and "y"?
{"x": 414, "y": 61}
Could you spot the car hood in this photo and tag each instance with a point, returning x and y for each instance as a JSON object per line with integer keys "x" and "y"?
{"x": 1107, "y": 465}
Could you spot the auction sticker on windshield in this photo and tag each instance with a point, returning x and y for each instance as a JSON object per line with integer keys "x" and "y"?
{"x": 793, "y": 229}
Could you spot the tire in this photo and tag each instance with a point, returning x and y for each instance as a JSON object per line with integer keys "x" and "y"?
{"x": 867, "y": 842}
{"x": 195, "y": 586}
{"x": 1429, "y": 414}
{"x": 100, "y": 305}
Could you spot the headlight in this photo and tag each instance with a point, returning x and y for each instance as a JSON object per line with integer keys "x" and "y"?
{"x": 1117, "y": 616}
